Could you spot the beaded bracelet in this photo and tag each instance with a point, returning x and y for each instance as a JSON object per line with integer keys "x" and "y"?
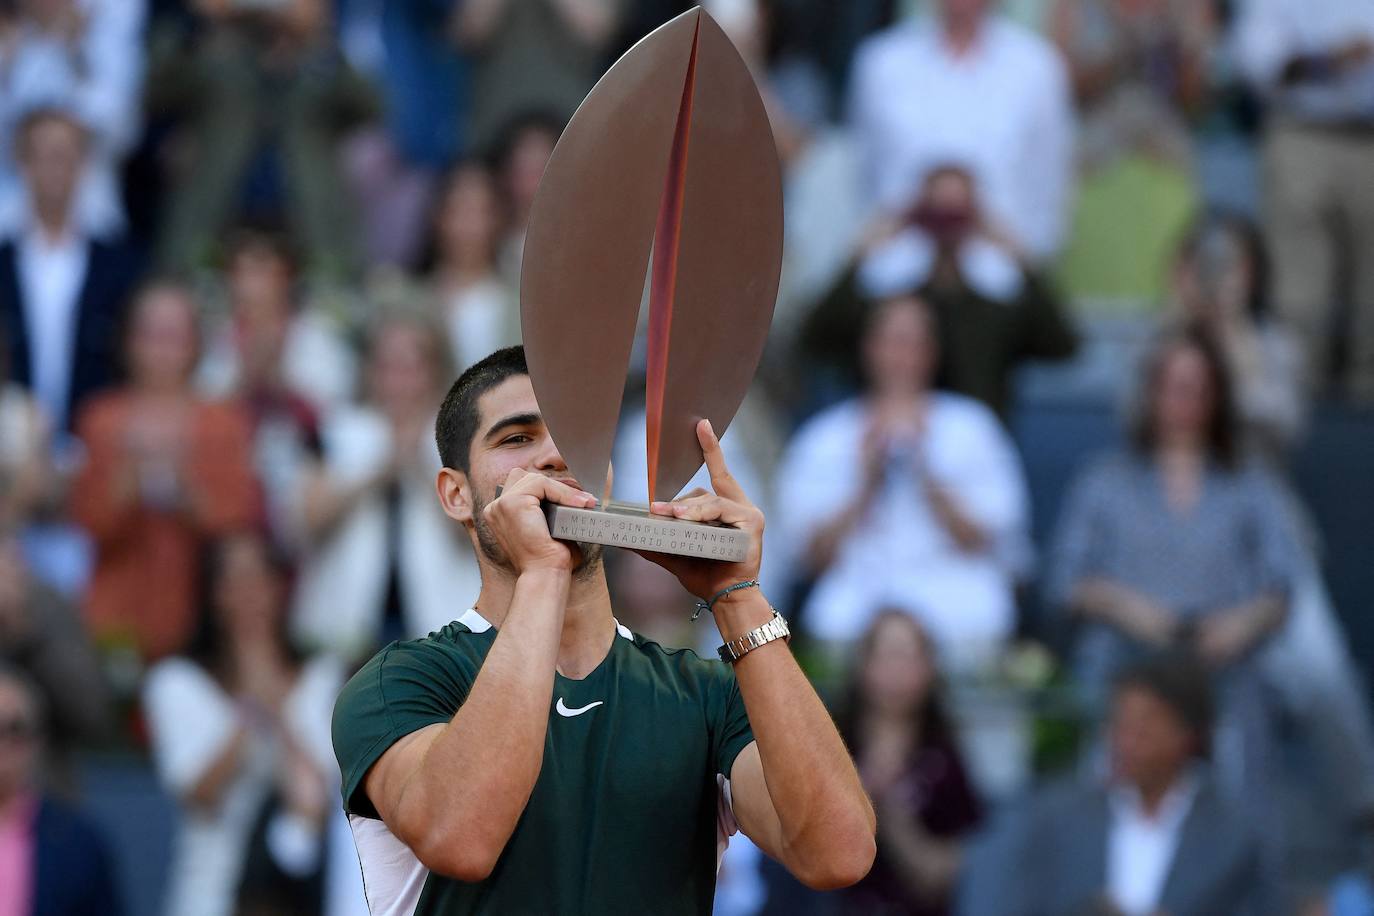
{"x": 710, "y": 604}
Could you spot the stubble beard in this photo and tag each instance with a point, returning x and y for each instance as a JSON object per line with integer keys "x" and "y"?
{"x": 586, "y": 568}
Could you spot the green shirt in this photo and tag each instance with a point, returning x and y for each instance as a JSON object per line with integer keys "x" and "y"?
{"x": 628, "y": 814}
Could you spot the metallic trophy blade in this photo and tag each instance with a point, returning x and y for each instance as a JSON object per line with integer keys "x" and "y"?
{"x": 671, "y": 153}
{"x": 720, "y": 229}
{"x": 587, "y": 247}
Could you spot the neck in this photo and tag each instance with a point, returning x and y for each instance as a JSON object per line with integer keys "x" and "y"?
{"x": 588, "y": 624}
{"x": 1182, "y": 449}
{"x": 1153, "y": 792}
{"x": 961, "y": 33}
{"x": 51, "y": 221}
{"x": 903, "y": 396}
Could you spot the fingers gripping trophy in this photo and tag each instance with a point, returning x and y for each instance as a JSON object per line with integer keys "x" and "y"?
{"x": 667, "y": 171}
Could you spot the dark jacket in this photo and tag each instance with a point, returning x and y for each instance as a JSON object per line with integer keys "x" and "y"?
{"x": 112, "y": 270}
{"x": 1053, "y": 861}
{"x": 75, "y": 876}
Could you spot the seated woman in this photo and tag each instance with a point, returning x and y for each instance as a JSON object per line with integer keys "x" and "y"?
{"x": 895, "y": 724}
{"x": 1178, "y": 541}
{"x": 240, "y": 735}
{"x": 165, "y": 471}
{"x": 906, "y": 496}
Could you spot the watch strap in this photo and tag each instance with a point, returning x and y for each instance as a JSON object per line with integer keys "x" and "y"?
{"x": 740, "y": 646}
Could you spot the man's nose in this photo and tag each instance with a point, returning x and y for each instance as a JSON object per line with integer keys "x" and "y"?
{"x": 550, "y": 459}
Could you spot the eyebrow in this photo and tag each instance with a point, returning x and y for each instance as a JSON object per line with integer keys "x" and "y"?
{"x": 515, "y": 419}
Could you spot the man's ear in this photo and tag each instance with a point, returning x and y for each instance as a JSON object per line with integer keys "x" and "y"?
{"x": 455, "y": 495}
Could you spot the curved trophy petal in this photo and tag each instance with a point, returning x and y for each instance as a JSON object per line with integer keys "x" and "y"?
{"x": 717, "y": 258}
{"x": 588, "y": 242}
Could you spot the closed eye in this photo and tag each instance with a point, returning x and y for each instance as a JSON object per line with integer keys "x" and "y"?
{"x": 517, "y": 439}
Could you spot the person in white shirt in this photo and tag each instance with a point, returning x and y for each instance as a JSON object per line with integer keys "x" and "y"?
{"x": 477, "y": 308}
{"x": 85, "y": 56}
{"x": 382, "y": 562}
{"x": 967, "y": 86}
{"x": 906, "y": 497}
{"x": 1312, "y": 61}
{"x": 267, "y": 322}
{"x": 62, "y": 290}
{"x": 1153, "y": 837}
{"x": 239, "y": 726}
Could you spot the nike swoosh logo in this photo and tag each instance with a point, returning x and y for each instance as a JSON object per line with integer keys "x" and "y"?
{"x": 563, "y": 710}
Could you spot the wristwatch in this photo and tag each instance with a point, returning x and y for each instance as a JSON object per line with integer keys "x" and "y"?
{"x": 740, "y": 646}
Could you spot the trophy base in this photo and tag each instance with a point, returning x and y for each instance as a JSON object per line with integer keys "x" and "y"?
{"x": 627, "y": 525}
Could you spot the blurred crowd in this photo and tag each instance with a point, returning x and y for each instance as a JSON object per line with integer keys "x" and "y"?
{"x": 245, "y": 246}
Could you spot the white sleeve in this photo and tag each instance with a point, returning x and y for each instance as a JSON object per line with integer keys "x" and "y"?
{"x": 109, "y": 97}
{"x": 991, "y": 484}
{"x": 1048, "y": 159}
{"x": 191, "y": 721}
{"x": 863, "y": 121}
{"x": 817, "y": 478}
{"x": 310, "y": 709}
{"x": 1262, "y": 43}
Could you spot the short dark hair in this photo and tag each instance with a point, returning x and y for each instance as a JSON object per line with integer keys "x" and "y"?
{"x": 1178, "y": 680}
{"x": 458, "y": 416}
{"x": 264, "y": 237}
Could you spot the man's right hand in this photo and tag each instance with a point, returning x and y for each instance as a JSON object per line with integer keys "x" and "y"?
{"x": 517, "y": 521}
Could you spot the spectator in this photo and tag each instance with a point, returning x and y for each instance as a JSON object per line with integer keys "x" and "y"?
{"x": 533, "y": 55}
{"x": 1140, "y": 72}
{"x": 268, "y": 336}
{"x": 1180, "y": 542}
{"x": 895, "y": 724}
{"x": 478, "y": 309}
{"x": 265, "y": 78}
{"x": 61, "y": 289}
{"x": 86, "y": 58}
{"x": 283, "y": 363}
{"x": 41, "y": 635}
{"x": 1156, "y": 837}
{"x": 967, "y": 86}
{"x": 52, "y": 859}
{"x": 523, "y": 155}
{"x": 993, "y": 310}
{"x": 165, "y": 471}
{"x": 1313, "y": 62}
{"x": 387, "y": 564}
{"x": 236, "y": 724}
{"x": 908, "y": 497}
{"x": 1220, "y": 284}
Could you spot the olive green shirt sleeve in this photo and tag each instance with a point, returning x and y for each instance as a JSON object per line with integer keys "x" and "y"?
{"x": 405, "y": 687}
{"x": 730, "y": 729}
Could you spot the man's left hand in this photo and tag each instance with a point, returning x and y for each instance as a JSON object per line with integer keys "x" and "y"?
{"x": 727, "y": 505}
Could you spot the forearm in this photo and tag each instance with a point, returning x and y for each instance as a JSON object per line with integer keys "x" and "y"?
{"x": 1120, "y": 606}
{"x": 815, "y": 791}
{"x": 957, "y": 523}
{"x": 1261, "y": 616}
{"x": 496, "y": 740}
{"x": 927, "y": 865}
{"x": 825, "y": 543}
{"x": 208, "y": 787}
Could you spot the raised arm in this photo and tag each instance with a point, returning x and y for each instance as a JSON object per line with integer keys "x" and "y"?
{"x": 795, "y": 790}
{"x": 496, "y": 740}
